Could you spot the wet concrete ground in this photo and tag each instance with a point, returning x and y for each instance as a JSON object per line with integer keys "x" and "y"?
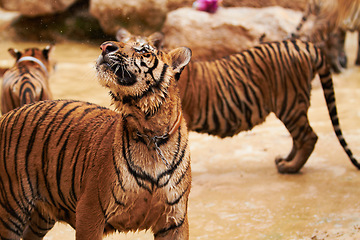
{"x": 237, "y": 192}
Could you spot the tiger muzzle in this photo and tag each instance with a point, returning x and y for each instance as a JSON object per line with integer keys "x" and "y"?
{"x": 113, "y": 61}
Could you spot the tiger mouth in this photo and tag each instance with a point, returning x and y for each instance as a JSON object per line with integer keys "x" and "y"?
{"x": 123, "y": 76}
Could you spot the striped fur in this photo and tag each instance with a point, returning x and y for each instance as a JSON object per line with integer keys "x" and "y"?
{"x": 27, "y": 81}
{"x": 96, "y": 169}
{"x": 236, "y": 93}
{"x": 233, "y": 94}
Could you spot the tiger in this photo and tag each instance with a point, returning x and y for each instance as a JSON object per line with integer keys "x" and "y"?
{"x": 28, "y": 80}
{"x": 97, "y": 169}
{"x": 226, "y": 96}
{"x": 325, "y": 23}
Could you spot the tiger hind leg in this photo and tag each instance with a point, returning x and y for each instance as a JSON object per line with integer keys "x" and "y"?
{"x": 304, "y": 140}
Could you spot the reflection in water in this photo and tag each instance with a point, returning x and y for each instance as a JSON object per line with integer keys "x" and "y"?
{"x": 237, "y": 192}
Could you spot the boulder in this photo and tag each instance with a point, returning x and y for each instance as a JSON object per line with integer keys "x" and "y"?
{"x": 146, "y": 16}
{"x": 139, "y": 16}
{"x": 6, "y": 18}
{"x": 227, "y": 31}
{"x": 33, "y": 8}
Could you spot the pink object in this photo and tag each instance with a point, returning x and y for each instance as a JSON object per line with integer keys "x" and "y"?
{"x": 206, "y": 5}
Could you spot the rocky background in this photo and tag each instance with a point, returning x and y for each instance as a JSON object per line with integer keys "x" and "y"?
{"x": 238, "y": 24}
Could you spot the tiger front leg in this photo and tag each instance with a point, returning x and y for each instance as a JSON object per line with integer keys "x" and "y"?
{"x": 90, "y": 222}
{"x": 175, "y": 232}
{"x": 304, "y": 140}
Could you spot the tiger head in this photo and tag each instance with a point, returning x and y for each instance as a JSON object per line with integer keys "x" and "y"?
{"x": 40, "y": 56}
{"x": 156, "y": 39}
{"x": 139, "y": 74}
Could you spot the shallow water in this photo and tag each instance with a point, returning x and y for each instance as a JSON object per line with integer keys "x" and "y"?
{"x": 237, "y": 192}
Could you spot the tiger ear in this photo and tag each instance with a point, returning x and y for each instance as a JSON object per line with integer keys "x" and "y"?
{"x": 46, "y": 51}
{"x": 123, "y": 35}
{"x": 180, "y": 57}
{"x": 15, "y": 53}
{"x": 157, "y": 40}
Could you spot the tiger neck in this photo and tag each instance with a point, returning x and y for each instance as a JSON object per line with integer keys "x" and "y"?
{"x": 162, "y": 121}
{"x": 154, "y": 132}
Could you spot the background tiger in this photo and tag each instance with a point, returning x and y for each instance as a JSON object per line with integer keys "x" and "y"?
{"x": 325, "y": 23}
{"x": 97, "y": 169}
{"x": 226, "y": 96}
{"x": 28, "y": 80}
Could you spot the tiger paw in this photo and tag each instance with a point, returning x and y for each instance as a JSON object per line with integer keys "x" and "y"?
{"x": 284, "y": 166}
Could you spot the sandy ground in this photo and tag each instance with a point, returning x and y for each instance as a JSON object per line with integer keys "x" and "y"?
{"x": 236, "y": 191}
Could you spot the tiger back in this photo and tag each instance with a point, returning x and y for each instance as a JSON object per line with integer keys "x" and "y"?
{"x": 97, "y": 169}
{"x": 28, "y": 80}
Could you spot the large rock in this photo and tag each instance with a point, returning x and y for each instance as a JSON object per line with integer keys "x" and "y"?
{"x": 36, "y": 7}
{"x": 227, "y": 31}
{"x": 6, "y": 18}
{"x": 139, "y": 16}
{"x": 146, "y": 16}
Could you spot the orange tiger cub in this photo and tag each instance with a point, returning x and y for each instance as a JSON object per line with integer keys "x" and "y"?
{"x": 96, "y": 169}
{"x": 28, "y": 80}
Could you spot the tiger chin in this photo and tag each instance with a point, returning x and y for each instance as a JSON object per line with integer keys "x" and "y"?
{"x": 97, "y": 169}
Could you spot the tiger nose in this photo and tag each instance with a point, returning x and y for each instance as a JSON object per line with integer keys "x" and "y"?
{"x": 108, "y": 47}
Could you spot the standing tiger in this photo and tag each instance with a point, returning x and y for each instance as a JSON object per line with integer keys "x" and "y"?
{"x": 101, "y": 170}
{"x": 28, "y": 80}
{"x": 226, "y": 96}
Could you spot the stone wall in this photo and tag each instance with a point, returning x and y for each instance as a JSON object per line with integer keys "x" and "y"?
{"x": 227, "y": 31}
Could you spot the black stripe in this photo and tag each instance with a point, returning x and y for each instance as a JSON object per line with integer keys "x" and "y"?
{"x": 174, "y": 163}
{"x": 129, "y": 99}
{"x": 117, "y": 170}
{"x": 17, "y": 231}
{"x": 163, "y": 231}
{"x": 177, "y": 200}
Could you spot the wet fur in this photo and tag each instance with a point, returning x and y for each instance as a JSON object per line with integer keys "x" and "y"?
{"x": 96, "y": 169}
